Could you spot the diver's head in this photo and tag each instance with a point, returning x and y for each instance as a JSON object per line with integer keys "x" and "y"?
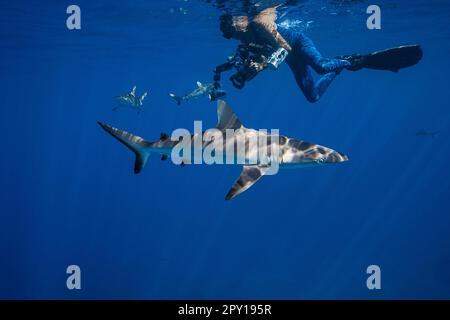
{"x": 233, "y": 26}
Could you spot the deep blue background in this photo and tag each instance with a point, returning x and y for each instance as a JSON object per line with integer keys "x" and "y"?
{"x": 68, "y": 195}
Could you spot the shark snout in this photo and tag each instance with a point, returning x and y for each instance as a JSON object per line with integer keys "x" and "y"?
{"x": 323, "y": 155}
{"x": 335, "y": 157}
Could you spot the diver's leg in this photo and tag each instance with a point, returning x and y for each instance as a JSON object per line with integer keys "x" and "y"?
{"x": 323, "y": 83}
{"x": 312, "y": 56}
{"x": 312, "y": 90}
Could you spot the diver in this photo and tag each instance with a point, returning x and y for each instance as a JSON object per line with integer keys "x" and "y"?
{"x": 277, "y": 44}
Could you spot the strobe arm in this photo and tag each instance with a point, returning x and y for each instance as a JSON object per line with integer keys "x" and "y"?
{"x": 222, "y": 68}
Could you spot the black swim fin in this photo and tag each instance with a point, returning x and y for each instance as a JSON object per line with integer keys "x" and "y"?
{"x": 392, "y": 59}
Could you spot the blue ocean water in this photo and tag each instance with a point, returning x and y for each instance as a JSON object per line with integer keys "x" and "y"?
{"x": 69, "y": 196}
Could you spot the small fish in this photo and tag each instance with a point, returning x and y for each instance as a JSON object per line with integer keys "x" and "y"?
{"x": 202, "y": 90}
{"x": 130, "y": 100}
{"x": 424, "y": 133}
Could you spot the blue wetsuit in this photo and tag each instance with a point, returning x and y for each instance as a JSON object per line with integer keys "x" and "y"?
{"x": 304, "y": 57}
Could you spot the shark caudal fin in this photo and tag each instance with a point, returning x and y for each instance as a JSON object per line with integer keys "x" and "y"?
{"x": 139, "y": 146}
{"x": 176, "y": 98}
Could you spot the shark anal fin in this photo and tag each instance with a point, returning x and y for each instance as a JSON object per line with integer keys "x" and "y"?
{"x": 227, "y": 119}
{"x": 249, "y": 176}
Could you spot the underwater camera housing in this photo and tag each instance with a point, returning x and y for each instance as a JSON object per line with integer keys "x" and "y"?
{"x": 244, "y": 74}
{"x": 217, "y": 94}
{"x": 245, "y": 55}
{"x": 244, "y": 61}
{"x": 254, "y": 53}
{"x": 277, "y": 58}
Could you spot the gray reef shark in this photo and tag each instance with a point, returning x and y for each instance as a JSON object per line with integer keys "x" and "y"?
{"x": 424, "y": 133}
{"x": 130, "y": 100}
{"x": 291, "y": 153}
{"x": 202, "y": 90}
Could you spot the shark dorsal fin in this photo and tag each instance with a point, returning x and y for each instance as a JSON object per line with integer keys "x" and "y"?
{"x": 227, "y": 119}
{"x": 199, "y": 84}
{"x": 133, "y": 92}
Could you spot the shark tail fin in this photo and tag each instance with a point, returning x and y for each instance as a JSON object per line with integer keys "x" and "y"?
{"x": 176, "y": 98}
{"x": 139, "y": 146}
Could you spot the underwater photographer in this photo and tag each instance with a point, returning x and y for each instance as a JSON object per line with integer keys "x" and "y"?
{"x": 265, "y": 44}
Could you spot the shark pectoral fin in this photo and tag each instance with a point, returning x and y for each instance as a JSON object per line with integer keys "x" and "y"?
{"x": 249, "y": 176}
{"x": 227, "y": 119}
